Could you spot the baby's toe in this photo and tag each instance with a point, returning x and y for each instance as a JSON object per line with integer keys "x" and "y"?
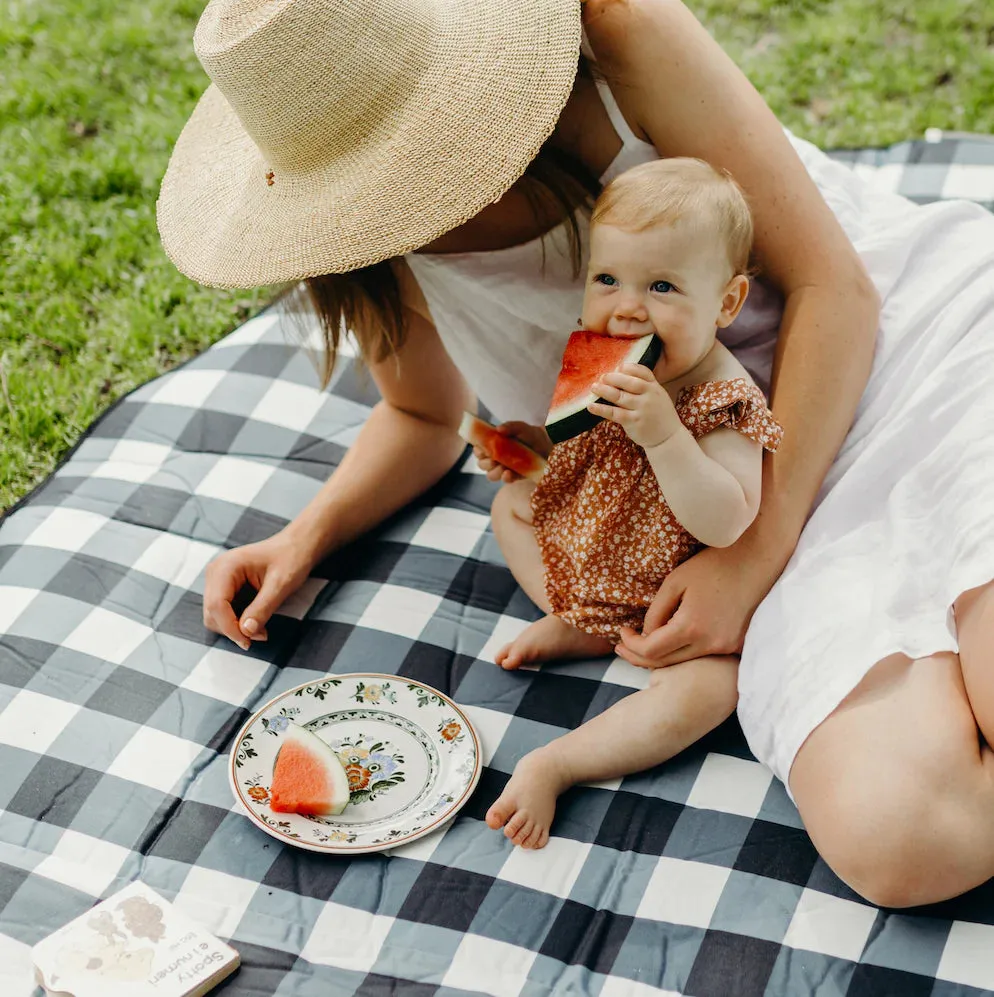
{"x": 511, "y": 659}
{"x": 499, "y": 813}
{"x": 524, "y": 832}
{"x": 535, "y": 838}
{"x": 515, "y": 824}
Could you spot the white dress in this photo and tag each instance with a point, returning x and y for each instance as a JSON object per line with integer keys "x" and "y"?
{"x": 905, "y": 520}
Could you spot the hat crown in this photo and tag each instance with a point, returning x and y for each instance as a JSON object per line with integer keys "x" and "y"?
{"x": 311, "y": 79}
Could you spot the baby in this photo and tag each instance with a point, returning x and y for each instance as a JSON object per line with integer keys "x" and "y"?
{"x": 674, "y": 465}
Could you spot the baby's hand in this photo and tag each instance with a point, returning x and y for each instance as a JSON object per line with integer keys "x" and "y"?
{"x": 641, "y": 405}
{"x": 534, "y": 437}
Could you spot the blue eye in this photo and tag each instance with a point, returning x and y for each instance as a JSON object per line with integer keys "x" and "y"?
{"x": 662, "y": 287}
{"x": 606, "y": 279}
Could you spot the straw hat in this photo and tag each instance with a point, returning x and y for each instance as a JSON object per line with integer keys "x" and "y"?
{"x": 337, "y": 133}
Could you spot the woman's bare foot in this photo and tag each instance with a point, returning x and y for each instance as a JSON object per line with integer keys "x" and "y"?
{"x": 550, "y": 638}
{"x": 526, "y": 807}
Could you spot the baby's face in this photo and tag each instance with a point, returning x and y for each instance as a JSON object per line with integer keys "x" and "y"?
{"x": 667, "y": 280}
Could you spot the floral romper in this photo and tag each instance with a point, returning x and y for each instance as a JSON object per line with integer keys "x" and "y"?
{"x": 606, "y": 534}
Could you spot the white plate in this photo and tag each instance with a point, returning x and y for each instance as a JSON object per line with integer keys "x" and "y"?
{"x": 412, "y": 757}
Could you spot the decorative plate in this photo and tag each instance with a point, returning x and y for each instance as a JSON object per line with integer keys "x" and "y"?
{"x": 411, "y": 755}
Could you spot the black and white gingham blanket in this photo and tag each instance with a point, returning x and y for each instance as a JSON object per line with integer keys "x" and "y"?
{"x": 117, "y": 710}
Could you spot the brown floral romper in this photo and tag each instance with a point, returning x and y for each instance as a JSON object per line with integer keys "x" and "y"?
{"x": 606, "y": 534}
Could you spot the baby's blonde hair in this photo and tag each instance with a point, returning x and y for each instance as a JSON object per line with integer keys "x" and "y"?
{"x": 664, "y": 191}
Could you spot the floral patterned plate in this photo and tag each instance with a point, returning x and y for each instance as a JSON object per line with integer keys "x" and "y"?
{"x": 411, "y": 755}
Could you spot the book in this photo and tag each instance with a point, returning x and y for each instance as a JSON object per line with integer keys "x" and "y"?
{"x": 133, "y": 944}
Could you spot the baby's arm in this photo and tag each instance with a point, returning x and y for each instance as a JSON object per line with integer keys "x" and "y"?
{"x": 712, "y": 485}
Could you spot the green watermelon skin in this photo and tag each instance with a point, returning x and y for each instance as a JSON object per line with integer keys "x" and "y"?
{"x": 587, "y": 357}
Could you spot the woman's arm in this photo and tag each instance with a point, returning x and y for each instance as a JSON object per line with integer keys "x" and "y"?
{"x": 408, "y": 442}
{"x": 712, "y": 486}
{"x": 690, "y": 99}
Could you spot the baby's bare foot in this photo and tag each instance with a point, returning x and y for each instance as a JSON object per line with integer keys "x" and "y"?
{"x": 526, "y": 807}
{"x": 550, "y": 638}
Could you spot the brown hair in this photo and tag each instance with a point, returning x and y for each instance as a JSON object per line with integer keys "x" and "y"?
{"x": 368, "y": 300}
{"x": 666, "y": 190}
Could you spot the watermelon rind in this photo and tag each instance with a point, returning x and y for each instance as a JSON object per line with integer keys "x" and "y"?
{"x": 571, "y": 418}
{"x": 322, "y": 754}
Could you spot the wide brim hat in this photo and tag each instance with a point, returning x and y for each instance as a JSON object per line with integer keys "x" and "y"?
{"x": 337, "y": 133}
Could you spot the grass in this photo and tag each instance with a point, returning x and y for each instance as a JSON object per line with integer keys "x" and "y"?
{"x": 864, "y": 72}
{"x": 94, "y": 92}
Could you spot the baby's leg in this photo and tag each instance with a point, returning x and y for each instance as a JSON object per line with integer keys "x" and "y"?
{"x": 511, "y": 516}
{"x": 682, "y": 703}
{"x": 550, "y": 637}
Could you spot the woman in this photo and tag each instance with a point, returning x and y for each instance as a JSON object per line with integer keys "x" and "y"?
{"x": 347, "y": 137}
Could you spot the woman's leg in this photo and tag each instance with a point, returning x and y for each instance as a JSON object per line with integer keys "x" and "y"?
{"x": 896, "y": 787}
{"x": 682, "y": 703}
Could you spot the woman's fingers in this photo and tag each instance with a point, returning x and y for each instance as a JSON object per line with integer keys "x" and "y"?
{"x": 224, "y": 621}
{"x": 684, "y": 653}
{"x": 273, "y": 593}
{"x": 218, "y": 614}
{"x": 663, "y": 606}
{"x": 664, "y": 645}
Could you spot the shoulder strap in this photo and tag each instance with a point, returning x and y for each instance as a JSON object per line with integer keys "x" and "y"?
{"x": 621, "y": 126}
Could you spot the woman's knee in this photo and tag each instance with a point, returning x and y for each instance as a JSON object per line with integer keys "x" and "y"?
{"x": 902, "y": 841}
{"x": 865, "y": 842}
{"x": 894, "y": 789}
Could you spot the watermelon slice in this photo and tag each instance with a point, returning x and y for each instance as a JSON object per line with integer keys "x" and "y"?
{"x": 506, "y": 450}
{"x": 308, "y": 777}
{"x": 587, "y": 358}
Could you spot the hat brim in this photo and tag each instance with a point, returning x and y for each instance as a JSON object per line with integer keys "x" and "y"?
{"x": 492, "y": 94}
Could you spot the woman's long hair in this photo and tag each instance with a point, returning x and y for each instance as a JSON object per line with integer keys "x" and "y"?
{"x": 367, "y": 301}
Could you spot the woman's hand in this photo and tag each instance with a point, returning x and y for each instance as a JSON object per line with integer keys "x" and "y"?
{"x": 275, "y": 568}
{"x": 534, "y": 437}
{"x": 703, "y": 607}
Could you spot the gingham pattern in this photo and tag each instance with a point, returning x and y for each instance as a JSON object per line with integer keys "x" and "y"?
{"x": 117, "y": 709}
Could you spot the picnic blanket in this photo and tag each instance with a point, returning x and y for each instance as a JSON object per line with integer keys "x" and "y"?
{"x": 118, "y": 709}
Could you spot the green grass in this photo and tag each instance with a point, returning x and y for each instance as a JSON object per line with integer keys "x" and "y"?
{"x": 94, "y": 92}
{"x": 864, "y": 72}
{"x": 92, "y": 95}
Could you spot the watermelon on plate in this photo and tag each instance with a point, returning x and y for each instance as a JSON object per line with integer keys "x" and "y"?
{"x": 308, "y": 777}
{"x": 587, "y": 358}
{"x": 506, "y": 450}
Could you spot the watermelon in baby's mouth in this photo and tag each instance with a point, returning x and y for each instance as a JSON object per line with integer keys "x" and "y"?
{"x": 587, "y": 358}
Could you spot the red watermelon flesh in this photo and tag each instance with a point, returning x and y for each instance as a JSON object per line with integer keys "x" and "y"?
{"x": 587, "y": 358}
{"x": 506, "y": 450}
{"x": 308, "y": 777}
